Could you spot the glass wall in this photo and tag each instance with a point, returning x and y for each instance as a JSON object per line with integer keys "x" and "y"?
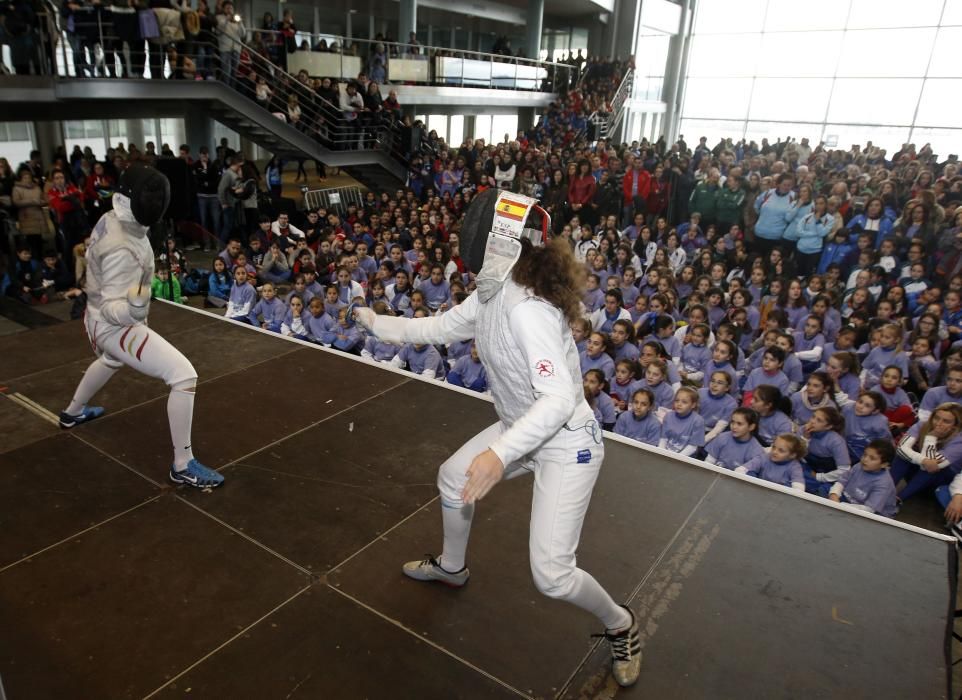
{"x": 839, "y": 71}
{"x": 16, "y": 142}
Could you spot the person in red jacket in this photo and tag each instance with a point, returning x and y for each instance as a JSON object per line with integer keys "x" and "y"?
{"x": 636, "y": 187}
{"x": 98, "y": 193}
{"x": 659, "y": 195}
{"x": 68, "y": 202}
{"x": 581, "y": 190}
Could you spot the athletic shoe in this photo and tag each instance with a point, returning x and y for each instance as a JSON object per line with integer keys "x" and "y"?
{"x": 88, "y": 414}
{"x": 625, "y": 652}
{"x": 956, "y": 530}
{"x": 428, "y": 569}
{"x": 197, "y": 475}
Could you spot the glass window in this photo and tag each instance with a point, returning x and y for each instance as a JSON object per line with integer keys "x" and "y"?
{"x": 941, "y": 103}
{"x": 792, "y": 15}
{"x": 725, "y": 98}
{"x": 652, "y": 54}
{"x": 712, "y": 129}
{"x": 894, "y": 13}
{"x": 456, "y": 129}
{"x": 945, "y": 54}
{"x": 885, "y": 53}
{"x": 796, "y": 99}
{"x": 439, "y": 123}
{"x": 952, "y": 13}
{"x": 800, "y": 54}
{"x": 890, "y": 138}
{"x": 874, "y": 100}
{"x": 504, "y": 125}
{"x": 724, "y": 55}
{"x": 780, "y": 131}
{"x": 18, "y": 131}
{"x": 944, "y": 141}
{"x": 482, "y": 127}
{"x": 713, "y": 17}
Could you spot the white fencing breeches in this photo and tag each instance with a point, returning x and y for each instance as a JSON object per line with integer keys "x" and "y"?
{"x": 140, "y": 348}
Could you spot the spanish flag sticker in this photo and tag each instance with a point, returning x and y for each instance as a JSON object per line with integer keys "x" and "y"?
{"x": 511, "y": 210}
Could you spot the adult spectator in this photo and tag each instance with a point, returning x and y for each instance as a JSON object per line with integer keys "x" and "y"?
{"x": 636, "y": 188}
{"x": 704, "y": 198}
{"x": 32, "y": 220}
{"x": 229, "y": 191}
{"x": 773, "y": 208}
{"x": 230, "y": 35}
{"x": 206, "y": 181}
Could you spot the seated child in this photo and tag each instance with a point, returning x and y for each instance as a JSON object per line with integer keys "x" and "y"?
{"x": 695, "y": 354}
{"x": 269, "y": 312}
{"x": 622, "y": 341}
{"x": 809, "y": 343}
{"x": 580, "y": 330}
{"x": 639, "y": 422}
{"x": 864, "y": 421}
{"x": 604, "y": 408}
{"x": 716, "y": 403}
{"x": 165, "y": 286}
{"x": 781, "y": 465}
{"x": 347, "y": 336}
{"x": 423, "y": 360}
{"x": 737, "y": 446}
{"x": 768, "y": 403}
{"x": 218, "y": 284}
{"x": 844, "y": 369}
{"x": 888, "y": 353}
{"x": 683, "y": 430}
{"x": 898, "y": 409}
{"x": 468, "y": 372}
{"x": 867, "y": 485}
{"x": 294, "y": 323}
{"x": 656, "y": 381}
{"x": 770, "y": 373}
{"x": 938, "y": 395}
{"x": 817, "y": 393}
{"x": 595, "y": 357}
{"x": 827, "y": 457}
{"x": 242, "y": 297}
{"x": 321, "y": 328}
{"x": 623, "y": 385}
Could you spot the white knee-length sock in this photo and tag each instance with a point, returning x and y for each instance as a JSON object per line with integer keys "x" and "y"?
{"x": 180, "y": 413}
{"x": 588, "y": 595}
{"x": 457, "y": 527}
{"x": 94, "y": 378}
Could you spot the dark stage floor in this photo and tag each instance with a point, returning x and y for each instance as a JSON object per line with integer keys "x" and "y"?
{"x": 286, "y": 583}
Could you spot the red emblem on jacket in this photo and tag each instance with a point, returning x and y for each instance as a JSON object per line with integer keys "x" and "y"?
{"x": 545, "y": 368}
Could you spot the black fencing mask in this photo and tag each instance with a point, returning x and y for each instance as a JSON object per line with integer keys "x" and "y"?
{"x": 149, "y": 192}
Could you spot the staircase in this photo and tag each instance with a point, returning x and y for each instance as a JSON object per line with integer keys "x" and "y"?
{"x": 371, "y": 153}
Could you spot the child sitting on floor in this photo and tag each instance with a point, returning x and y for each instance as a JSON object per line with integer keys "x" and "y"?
{"x": 867, "y": 485}
{"x": 782, "y": 465}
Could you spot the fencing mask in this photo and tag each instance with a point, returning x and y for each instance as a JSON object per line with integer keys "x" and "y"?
{"x": 491, "y": 235}
{"x": 148, "y": 191}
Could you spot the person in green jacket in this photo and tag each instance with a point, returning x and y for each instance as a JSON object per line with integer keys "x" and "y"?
{"x": 731, "y": 200}
{"x": 161, "y": 285}
{"x": 704, "y": 197}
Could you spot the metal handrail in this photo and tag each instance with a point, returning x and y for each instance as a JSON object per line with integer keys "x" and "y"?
{"x": 619, "y": 101}
{"x": 348, "y": 47}
{"x": 319, "y": 119}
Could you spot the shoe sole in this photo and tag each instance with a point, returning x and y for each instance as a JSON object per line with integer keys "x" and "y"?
{"x": 184, "y": 482}
{"x": 431, "y": 579}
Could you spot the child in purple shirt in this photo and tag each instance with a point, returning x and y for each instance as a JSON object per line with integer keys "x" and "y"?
{"x": 294, "y": 324}
{"x": 868, "y": 486}
{"x": 769, "y": 373}
{"x": 321, "y": 328}
{"x": 656, "y": 381}
{"x": 599, "y": 400}
{"x": 695, "y": 354}
{"x": 683, "y": 430}
{"x": 888, "y": 353}
{"x": 468, "y": 372}
{"x": 270, "y": 310}
{"x": 737, "y": 446}
{"x": 595, "y": 357}
{"x": 767, "y": 402}
{"x": 715, "y": 403}
{"x": 243, "y": 296}
{"x": 639, "y": 422}
{"x": 827, "y": 457}
{"x": 782, "y": 465}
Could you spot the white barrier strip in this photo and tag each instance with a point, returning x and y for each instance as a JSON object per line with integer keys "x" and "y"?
{"x": 691, "y": 461}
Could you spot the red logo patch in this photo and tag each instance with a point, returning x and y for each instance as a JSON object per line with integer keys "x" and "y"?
{"x": 545, "y": 368}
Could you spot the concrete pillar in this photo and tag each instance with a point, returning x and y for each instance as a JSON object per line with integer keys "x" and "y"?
{"x": 348, "y": 28}
{"x": 429, "y": 39}
{"x": 199, "y": 128}
{"x": 407, "y": 19}
{"x": 317, "y": 25}
{"x": 525, "y": 118}
{"x": 535, "y": 23}
{"x": 49, "y": 139}
{"x": 470, "y": 39}
{"x": 673, "y": 78}
{"x": 135, "y": 133}
{"x": 370, "y": 26}
{"x": 454, "y": 38}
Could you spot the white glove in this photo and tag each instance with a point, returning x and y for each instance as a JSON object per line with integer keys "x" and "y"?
{"x": 364, "y": 317}
{"x": 138, "y": 299}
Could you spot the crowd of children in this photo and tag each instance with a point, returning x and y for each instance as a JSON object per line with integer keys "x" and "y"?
{"x": 822, "y": 367}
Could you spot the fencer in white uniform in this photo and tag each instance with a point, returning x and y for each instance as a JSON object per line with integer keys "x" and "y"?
{"x": 546, "y": 427}
{"x": 120, "y": 268}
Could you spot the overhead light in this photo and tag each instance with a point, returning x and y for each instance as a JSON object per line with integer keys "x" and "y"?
{"x": 352, "y": 11}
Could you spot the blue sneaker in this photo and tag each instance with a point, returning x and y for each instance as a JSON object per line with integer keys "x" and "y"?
{"x": 89, "y": 413}
{"x": 197, "y": 475}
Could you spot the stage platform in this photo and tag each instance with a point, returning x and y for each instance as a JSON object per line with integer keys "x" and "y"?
{"x": 286, "y": 583}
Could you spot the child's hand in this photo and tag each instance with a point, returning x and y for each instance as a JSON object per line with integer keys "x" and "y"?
{"x": 264, "y": 325}
{"x": 834, "y": 497}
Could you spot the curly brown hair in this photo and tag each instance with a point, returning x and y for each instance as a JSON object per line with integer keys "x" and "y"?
{"x": 553, "y": 274}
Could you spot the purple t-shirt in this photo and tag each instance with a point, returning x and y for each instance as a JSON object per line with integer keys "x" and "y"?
{"x": 646, "y": 430}
{"x": 730, "y": 453}
{"x": 681, "y": 432}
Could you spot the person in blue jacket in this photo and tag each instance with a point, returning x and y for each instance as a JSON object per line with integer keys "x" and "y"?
{"x": 811, "y": 231}
{"x": 836, "y": 251}
{"x": 219, "y": 283}
{"x": 773, "y": 208}
{"x": 875, "y": 218}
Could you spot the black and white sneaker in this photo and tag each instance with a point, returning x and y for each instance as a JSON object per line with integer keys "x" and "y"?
{"x": 625, "y": 652}
{"x": 428, "y": 569}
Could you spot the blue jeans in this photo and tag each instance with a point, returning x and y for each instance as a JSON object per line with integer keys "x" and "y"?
{"x": 943, "y": 496}
{"x": 208, "y": 210}
{"x": 229, "y": 60}
{"x": 228, "y": 218}
{"x": 917, "y": 479}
